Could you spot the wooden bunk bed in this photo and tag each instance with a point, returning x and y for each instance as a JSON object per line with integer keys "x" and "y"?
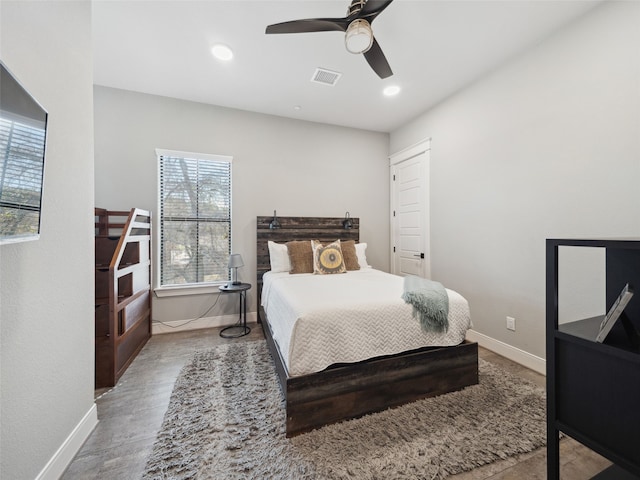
{"x": 122, "y": 290}
{"x": 352, "y": 390}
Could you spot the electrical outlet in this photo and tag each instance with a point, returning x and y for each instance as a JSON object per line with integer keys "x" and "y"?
{"x": 511, "y": 323}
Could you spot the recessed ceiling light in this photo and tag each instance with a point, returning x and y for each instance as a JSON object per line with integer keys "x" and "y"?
{"x": 297, "y": 107}
{"x": 391, "y": 90}
{"x": 222, "y": 52}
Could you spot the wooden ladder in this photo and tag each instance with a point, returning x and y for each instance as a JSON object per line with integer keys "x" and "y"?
{"x": 122, "y": 290}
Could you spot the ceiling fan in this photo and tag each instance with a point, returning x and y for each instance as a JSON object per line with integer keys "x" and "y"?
{"x": 357, "y": 27}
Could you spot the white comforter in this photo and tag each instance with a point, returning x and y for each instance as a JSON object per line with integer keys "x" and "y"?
{"x": 319, "y": 320}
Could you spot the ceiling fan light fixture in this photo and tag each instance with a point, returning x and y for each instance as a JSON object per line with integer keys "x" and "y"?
{"x": 359, "y": 36}
{"x": 356, "y": 27}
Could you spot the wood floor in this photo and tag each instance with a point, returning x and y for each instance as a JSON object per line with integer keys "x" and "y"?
{"x": 131, "y": 414}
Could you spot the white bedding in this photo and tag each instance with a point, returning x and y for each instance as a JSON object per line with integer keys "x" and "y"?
{"x": 320, "y": 320}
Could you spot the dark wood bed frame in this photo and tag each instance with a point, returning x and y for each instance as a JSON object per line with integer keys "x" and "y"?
{"x": 351, "y": 390}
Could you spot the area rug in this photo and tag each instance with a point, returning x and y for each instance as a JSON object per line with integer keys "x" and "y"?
{"x": 226, "y": 420}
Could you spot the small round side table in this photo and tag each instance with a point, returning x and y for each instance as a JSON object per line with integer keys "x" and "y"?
{"x": 240, "y": 330}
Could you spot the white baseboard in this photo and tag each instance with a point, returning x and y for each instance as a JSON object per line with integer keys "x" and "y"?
{"x": 56, "y": 466}
{"x": 512, "y": 353}
{"x": 199, "y": 323}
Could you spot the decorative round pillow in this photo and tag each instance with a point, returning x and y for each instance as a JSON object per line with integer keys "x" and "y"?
{"x": 328, "y": 258}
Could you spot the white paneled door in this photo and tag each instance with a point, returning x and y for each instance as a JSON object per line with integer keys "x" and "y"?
{"x": 409, "y": 211}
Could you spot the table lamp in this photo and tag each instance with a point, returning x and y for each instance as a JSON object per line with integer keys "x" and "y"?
{"x": 235, "y": 261}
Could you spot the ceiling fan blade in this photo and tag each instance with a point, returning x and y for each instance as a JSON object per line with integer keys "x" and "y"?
{"x": 377, "y": 60}
{"x": 310, "y": 25}
{"x": 373, "y": 8}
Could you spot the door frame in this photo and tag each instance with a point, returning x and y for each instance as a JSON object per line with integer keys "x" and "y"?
{"x": 423, "y": 146}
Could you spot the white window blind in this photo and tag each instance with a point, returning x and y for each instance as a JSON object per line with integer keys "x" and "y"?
{"x": 22, "y": 151}
{"x": 195, "y": 218}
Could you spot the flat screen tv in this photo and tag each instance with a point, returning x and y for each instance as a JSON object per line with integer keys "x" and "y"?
{"x": 23, "y": 134}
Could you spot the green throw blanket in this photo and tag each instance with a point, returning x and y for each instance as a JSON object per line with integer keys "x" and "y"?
{"x": 430, "y": 302}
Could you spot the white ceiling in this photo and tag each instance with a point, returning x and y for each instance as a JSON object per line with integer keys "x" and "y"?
{"x": 435, "y": 48}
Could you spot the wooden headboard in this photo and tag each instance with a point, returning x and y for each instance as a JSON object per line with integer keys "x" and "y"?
{"x": 324, "y": 229}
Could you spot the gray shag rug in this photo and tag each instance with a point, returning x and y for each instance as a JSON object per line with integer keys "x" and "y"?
{"x": 226, "y": 420}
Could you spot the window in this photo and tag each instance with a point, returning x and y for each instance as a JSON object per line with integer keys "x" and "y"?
{"x": 195, "y": 218}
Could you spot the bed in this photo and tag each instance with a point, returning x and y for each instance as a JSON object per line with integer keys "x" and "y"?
{"x": 396, "y": 368}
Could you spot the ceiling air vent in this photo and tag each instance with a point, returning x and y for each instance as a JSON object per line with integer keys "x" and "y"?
{"x": 325, "y": 77}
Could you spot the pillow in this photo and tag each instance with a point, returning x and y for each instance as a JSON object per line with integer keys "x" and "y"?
{"x": 328, "y": 258}
{"x": 279, "y": 257}
{"x": 300, "y": 256}
{"x": 349, "y": 254}
{"x": 362, "y": 257}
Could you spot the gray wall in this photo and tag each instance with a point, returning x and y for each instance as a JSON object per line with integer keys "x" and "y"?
{"x": 294, "y": 167}
{"x": 46, "y": 306}
{"x": 547, "y": 146}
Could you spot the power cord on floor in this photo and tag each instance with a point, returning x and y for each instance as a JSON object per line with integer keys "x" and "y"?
{"x": 187, "y": 322}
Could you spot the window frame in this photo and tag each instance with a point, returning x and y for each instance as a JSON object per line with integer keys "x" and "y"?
{"x": 188, "y": 288}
